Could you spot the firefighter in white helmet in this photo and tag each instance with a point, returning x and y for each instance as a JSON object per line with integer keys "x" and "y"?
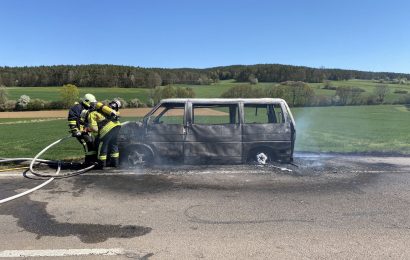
{"x": 77, "y": 124}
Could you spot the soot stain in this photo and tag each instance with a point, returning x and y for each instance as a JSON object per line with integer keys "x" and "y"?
{"x": 156, "y": 183}
{"x": 33, "y": 217}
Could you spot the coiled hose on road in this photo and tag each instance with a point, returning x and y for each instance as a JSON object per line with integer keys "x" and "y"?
{"x": 50, "y": 177}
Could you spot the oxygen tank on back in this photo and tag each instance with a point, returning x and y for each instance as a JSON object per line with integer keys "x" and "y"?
{"x": 106, "y": 110}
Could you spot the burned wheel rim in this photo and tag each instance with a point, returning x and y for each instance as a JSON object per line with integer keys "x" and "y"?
{"x": 138, "y": 157}
{"x": 262, "y": 158}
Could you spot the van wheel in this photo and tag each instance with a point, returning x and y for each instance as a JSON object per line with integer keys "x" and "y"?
{"x": 260, "y": 157}
{"x": 137, "y": 156}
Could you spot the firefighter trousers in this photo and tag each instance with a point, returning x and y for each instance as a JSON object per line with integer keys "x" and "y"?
{"x": 90, "y": 150}
{"x": 108, "y": 147}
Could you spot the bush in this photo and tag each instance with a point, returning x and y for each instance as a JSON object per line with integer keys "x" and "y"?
{"x": 10, "y": 105}
{"x": 22, "y": 102}
{"x": 134, "y": 103}
{"x": 322, "y": 101}
{"x": 150, "y": 102}
{"x": 370, "y": 100}
{"x": 400, "y": 91}
{"x": 56, "y": 105}
{"x": 37, "y": 104}
{"x": 404, "y": 99}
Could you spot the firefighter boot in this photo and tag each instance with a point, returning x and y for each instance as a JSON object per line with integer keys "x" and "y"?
{"x": 114, "y": 162}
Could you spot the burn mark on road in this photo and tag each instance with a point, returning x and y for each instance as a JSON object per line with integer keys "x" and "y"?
{"x": 33, "y": 217}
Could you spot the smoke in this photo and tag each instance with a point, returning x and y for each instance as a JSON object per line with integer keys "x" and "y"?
{"x": 305, "y": 138}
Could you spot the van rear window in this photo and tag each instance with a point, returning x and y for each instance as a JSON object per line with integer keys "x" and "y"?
{"x": 263, "y": 114}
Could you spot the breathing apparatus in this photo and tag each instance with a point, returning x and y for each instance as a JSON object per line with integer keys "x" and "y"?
{"x": 107, "y": 110}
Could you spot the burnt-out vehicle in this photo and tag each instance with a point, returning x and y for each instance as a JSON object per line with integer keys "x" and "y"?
{"x": 210, "y": 131}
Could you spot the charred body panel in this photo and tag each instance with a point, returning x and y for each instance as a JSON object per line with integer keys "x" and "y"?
{"x": 213, "y": 143}
{"x": 196, "y": 131}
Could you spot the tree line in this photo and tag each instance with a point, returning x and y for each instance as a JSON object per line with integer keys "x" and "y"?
{"x": 138, "y": 77}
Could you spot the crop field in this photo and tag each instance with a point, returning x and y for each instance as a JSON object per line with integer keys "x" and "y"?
{"x": 355, "y": 129}
{"x": 201, "y": 91}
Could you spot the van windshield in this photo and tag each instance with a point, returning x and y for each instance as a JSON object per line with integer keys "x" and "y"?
{"x": 168, "y": 113}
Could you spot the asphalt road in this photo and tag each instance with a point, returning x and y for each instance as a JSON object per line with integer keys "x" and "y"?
{"x": 328, "y": 207}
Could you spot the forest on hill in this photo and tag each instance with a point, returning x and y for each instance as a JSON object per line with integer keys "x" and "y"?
{"x": 138, "y": 77}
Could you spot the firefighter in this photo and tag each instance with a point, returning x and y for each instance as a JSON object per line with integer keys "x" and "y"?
{"x": 77, "y": 124}
{"x": 105, "y": 129}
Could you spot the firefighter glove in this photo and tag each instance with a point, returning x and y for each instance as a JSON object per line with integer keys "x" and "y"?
{"x": 76, "y": 134}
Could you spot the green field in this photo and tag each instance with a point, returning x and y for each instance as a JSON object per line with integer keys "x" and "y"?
{"x": 53, "y": 93}
{"x": 329, "y": 129}
{"x": 201, "y": 91}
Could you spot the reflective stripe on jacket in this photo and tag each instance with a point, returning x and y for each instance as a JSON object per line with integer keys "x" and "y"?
{"x": 99, "y": 121}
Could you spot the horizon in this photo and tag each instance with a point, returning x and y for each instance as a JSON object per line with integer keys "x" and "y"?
{"x": 204, "y": 68}
{"x": 349, "y": 35}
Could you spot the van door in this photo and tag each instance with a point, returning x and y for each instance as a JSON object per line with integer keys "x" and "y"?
{"x": 213, "y": 134}
{"x": 266, "y": 128}
{"x": 166, "y": 131}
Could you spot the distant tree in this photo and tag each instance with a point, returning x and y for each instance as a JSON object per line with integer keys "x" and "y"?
{"x": 243, "y": 91}
{"x": 153, "y": 80}
{"x": 172, "y": 92}
{"x": 3, "y": 97}
{"x": 184, "y": 92}
{"x": 344, "y": 94}
{"x": 69, "y": 95}
{"x": 253, "y": 80}
{"x": 381, "y": 91}
{"x": 329, "y": 85}
{"x": 298, "y": 93}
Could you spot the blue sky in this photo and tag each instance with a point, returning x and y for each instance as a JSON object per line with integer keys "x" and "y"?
{"x": 363, "y": 35}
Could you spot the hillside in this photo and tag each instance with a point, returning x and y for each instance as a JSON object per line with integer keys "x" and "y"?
{"x": 137, "y": 77}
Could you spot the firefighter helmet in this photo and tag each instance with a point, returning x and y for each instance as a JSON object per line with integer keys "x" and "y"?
{"x": 115, "y": 104}
{"x": 89, "y": 99}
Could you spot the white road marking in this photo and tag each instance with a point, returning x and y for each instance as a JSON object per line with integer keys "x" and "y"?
{"x": 63, "y": 252}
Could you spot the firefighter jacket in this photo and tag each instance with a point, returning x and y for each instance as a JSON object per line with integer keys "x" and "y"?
{"x": 104, "y": 125}
{"x": 75, "y": 122}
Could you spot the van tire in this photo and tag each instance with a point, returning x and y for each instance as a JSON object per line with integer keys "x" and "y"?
{"x": 134, "y": 156}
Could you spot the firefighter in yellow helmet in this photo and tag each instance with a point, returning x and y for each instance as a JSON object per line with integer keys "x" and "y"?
{"x": 77, "y": 124}
{"x": 105, "y": 128}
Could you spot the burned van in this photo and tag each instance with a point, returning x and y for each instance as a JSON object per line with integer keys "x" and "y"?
{"x": 210, "y": 131}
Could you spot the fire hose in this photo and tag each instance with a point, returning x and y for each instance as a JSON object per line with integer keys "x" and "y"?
{"x": 51, "y": 177}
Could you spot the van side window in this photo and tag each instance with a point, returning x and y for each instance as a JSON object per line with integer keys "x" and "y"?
{"x": 169, "y": 114}
{"x": 263, "y": 114}
{"x": 210, "y": 114}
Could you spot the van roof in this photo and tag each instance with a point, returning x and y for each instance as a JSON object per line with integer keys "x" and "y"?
{"x": 224, "y": 100}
